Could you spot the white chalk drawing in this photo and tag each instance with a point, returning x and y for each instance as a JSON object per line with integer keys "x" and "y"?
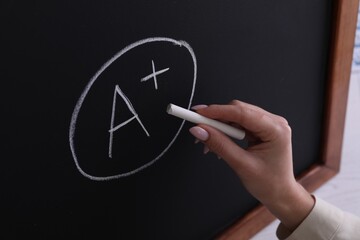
{"x": 77, "y": 108}
{"x": 154, "y": 74}
{"x": 118, "y": 91}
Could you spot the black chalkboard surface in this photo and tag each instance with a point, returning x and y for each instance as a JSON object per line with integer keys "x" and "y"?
{"x": 88, "y": 148}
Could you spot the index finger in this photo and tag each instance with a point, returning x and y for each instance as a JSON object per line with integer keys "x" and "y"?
{"x": 256, "y": 120}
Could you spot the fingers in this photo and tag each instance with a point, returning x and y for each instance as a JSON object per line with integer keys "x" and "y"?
{"x": 260, "y": 126}
{"x": 260, "y": 123}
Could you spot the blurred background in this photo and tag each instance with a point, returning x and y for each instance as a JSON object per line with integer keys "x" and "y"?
{"x": 343, "y": 190}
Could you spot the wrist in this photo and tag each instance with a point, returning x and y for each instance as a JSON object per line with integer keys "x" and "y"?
{"x": 292, "y": 206}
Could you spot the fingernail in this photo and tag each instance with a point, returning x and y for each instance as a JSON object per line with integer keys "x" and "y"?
{"x": 218, "y": 157}
{"x": 197, "y": 107}
{"x": 196, "y": 141}
{"x": 206, "y": 149}
{"x": 199, "y": 133}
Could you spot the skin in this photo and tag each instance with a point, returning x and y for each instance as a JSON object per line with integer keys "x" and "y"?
{"x": 265, "y": 167}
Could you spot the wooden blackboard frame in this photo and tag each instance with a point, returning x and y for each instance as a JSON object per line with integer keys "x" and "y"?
{"x": 344, "y": 17}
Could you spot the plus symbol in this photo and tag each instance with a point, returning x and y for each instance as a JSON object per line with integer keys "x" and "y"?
{"x": 154, "y": 74}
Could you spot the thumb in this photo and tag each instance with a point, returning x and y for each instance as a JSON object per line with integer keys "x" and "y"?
{"x": 220, "y": 144}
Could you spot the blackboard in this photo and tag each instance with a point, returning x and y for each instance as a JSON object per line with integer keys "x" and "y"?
{"x": 88, "y": 149}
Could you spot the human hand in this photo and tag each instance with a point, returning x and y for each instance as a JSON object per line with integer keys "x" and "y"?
{"x": 265, "y": 166}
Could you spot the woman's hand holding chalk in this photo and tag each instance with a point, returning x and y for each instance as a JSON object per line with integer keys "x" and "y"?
{"x": 197, "y": 118}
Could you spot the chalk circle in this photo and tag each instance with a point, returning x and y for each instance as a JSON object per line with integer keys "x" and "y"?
{"x": 79, "y": 103}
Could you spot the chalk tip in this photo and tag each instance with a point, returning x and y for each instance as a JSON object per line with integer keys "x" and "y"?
{"x": 169, "y": 108}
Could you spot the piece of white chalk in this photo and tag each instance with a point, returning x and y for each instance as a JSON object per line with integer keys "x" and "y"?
{"x": 197, "y": 118}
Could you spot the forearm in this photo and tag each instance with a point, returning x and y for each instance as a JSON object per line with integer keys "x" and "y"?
{"x": 324, "y": 222}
